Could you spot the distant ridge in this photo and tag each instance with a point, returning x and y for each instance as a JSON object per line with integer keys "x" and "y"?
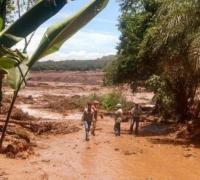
{"x": 73, "y": 65}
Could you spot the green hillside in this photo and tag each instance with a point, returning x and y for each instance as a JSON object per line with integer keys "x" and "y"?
{"x": 73, "y": 65}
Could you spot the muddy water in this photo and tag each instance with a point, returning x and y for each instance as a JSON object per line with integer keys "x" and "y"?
{"x": 47, "y": 114}
{"x": 105, "y": 157}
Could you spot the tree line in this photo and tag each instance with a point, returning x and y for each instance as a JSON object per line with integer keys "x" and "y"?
{"x": 73, "y": 65}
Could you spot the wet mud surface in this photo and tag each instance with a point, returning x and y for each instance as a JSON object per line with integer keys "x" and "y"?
{"x": 106, "y": 157}
{"x": 153, "y": 155}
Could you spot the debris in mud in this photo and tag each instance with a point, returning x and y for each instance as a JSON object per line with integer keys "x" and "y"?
{"x": 46, "y": 160}
{"x": 26, "y": 100}
{"x": 61, "y": 103}
{"x": 189, "y": 131}
{"x": 128, "y": 153}
{"x": 182, "y": 133}
{"x": 18, "y": 114}
{"x": 3, "y": 174}
{"x": 187, "y": 155}
{"x": 20, "y": 134}
{"x": 137, "y": 151}
{"x": 4, "y": 108}
{"x": 54, "y": 128}
{"x": 18, "y": 149}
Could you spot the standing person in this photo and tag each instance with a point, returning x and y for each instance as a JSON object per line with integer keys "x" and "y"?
{"x": 135, "y": 119}
{"x": 95, "y": 109}
{"x": 118, "y": 119}
{"x": 87, "y": 119}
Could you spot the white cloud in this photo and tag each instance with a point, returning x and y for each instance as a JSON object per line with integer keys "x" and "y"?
{"x": 91, "y": 41}
{"x": 73, "y": 55}
{"x": 83, "y": 45}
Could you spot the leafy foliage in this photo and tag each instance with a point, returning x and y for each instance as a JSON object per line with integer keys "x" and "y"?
{"x": 134, "y": 22}
{"x": 107, "y": 101}
{"x": 161, "y": 38}
{"x": 110, "y": 100}
{"x": 164, "y": 97}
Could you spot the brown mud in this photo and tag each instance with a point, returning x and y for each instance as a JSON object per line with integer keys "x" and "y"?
{"x": 62, "y": 153}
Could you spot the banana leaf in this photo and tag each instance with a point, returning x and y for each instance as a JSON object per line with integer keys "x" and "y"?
{"x": 30, "y": 21}
{"x": 57, "y": 34}
{"x": 13, "y": 63}
{"x": 16, "y": 75}
{"x": 7, "y": 63}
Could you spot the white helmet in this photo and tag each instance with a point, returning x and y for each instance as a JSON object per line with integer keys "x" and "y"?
{"x": 118, "y": 105}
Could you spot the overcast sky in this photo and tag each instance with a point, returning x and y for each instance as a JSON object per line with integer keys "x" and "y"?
{"x": 96, "y": 39}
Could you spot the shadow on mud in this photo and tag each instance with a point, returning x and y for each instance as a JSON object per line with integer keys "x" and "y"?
{"x": 164, "y": 130}
{"x": 176, "y": 142}
{"x": 156, "y": 129}
{"x": 167, "y": 141}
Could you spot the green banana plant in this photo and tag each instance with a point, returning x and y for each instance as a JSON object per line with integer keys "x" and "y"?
{"x": 57, "y": 34}
{"x": 52, "y": 40}
{"x": 30, "y": 21}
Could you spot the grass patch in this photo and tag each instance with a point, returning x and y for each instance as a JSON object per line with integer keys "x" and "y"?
{"x": 107, "y": 101}
{"x": 110, "y": 100}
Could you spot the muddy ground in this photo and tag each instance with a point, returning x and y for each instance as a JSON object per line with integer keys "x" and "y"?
{"x": 57, "y": 149}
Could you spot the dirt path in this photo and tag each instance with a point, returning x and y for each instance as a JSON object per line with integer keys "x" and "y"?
{"x": 105, "y": 157}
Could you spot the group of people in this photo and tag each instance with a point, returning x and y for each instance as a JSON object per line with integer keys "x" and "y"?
{"x": 135, "y": 113}
{"x": 90, "y": 116}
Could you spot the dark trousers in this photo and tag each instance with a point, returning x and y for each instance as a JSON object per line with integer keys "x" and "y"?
{"x": 135, "y": 121}
{"x": 87, "y": 125}
{"x": 117, "y": 129}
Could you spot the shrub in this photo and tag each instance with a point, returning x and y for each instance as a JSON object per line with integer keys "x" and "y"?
{"x": 107, "y": 101}
{"x": 164, "y": 97}
{"x": 110, "y": 100}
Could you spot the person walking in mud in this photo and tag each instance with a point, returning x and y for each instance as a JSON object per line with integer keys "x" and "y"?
{"x": 135, "y": 118}
{"x": 95, "y": 109}
{"x": 87, "y": 119}
{"x": 118, "y": 120}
